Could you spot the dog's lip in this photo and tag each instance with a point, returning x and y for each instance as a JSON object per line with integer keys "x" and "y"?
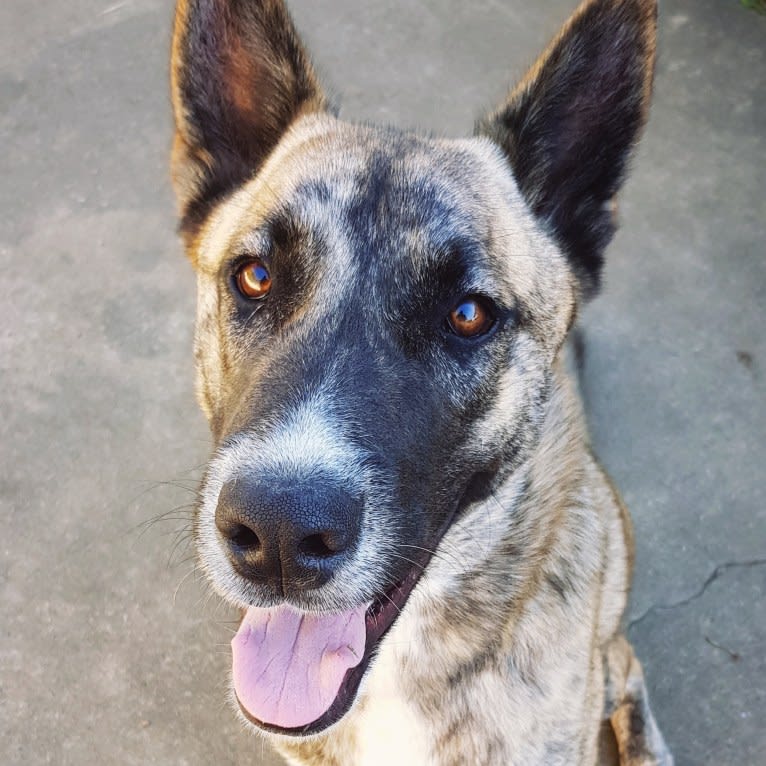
{"x": 380, "y": 617}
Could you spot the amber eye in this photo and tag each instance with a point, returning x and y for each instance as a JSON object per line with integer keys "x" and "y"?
{"x": 470, "y": 318}
{"x": 253, "y": 279}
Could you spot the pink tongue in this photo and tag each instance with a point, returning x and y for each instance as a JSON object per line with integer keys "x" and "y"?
{"x": 288, "y": 667}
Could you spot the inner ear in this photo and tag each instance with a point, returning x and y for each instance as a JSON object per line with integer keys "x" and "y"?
{"x": 240, "y": 77}
{"x": 569, "y": 126}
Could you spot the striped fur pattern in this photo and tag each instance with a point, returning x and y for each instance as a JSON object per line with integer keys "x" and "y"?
{"x": 472, "y": 454}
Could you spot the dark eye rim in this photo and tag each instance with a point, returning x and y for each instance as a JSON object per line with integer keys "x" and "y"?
{"x": 489, "y": 305}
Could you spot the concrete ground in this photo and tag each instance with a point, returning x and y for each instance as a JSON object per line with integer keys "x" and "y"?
{"x": 111, "y": 652}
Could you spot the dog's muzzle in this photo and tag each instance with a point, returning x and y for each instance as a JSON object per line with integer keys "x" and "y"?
{"x": 289, "y": 537}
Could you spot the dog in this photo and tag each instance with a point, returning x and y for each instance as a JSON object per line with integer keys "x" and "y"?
{"x": 431, "y": 564}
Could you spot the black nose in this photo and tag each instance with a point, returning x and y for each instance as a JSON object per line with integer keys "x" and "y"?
{"x": 292, "y": 536}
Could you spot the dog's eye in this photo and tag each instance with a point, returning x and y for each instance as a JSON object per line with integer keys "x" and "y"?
{"x": 253, "y": 279}
{"x": 470, "y": 318}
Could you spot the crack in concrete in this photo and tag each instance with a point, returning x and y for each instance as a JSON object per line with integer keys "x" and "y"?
{"x": 709, "y": 580}
{"x": 733, "y": 656}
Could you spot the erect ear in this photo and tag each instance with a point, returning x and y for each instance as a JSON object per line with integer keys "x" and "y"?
{"x": 239, "y": 77}
{"x": 569, "y": 126}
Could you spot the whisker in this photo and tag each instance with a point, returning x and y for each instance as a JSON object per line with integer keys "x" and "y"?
{"x": 453, "y": 560}
{"x": 183, "y": 580}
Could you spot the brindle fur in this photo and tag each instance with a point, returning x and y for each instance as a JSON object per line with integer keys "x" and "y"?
{"x": 510, "y": 648}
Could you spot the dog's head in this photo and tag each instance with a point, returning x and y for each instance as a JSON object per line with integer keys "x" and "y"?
{"x": 379, "y": 315}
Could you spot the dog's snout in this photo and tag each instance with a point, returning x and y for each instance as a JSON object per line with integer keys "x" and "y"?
{"x": 292, "y": 536}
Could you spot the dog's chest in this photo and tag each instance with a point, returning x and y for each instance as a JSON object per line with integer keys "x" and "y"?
{"x": 389, "y": 729}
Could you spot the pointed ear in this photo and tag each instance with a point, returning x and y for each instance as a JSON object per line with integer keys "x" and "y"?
{"x": 569, "y": 126}
{"x": 239, "y": 78}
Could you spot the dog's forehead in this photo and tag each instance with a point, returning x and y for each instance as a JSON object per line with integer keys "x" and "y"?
{"x": 351, "y": 161}
{"x": 400, "y": 195}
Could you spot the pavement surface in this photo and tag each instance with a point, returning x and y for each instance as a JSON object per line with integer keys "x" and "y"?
{"x": 111, "y": 650}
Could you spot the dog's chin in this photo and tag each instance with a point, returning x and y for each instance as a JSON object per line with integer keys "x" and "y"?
{"x": 379, "y": 618}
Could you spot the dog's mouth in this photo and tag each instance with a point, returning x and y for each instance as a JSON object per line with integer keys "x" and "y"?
{"x": 297, "y": 673}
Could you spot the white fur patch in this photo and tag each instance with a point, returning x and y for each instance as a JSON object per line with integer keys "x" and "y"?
{"x": 390, "y": 730}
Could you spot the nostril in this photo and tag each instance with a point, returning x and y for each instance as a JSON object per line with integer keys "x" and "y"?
{"x": 244, "y": 537}
{"x": 239, "y": 535}
{"x": 319, "y": 546}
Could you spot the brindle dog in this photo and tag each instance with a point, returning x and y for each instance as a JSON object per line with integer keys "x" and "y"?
{"x": 431, "y": 564}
